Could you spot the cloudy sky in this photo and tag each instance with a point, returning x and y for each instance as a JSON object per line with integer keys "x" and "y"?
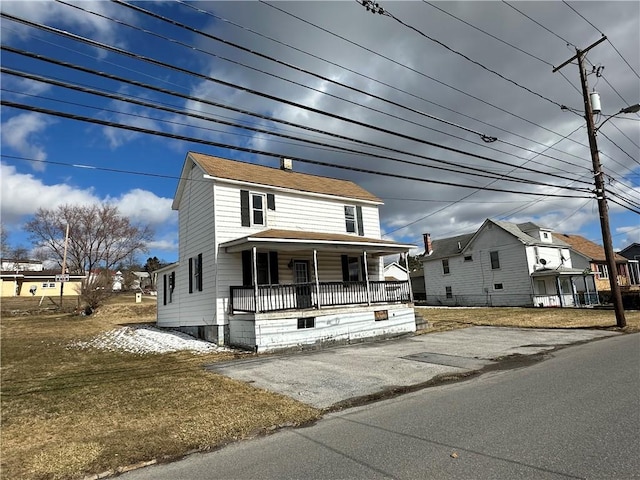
{"x": 404, "y": 103}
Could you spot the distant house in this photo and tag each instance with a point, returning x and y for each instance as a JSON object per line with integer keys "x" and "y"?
{"x": 30, "y": 283}
{"x": 270, "y": 258}
{"x": 598, "y": 261}
{"x": 8, "y": 264}
{"x": 395, "y": 271}
{"x": 506, "y": 264}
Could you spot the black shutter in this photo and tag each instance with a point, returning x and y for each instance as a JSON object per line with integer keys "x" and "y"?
{"x": 359, "y": 217}
{"x": 345, "y": 268}
{"x": 273, "y": 268}
{"x": 200, "y": 279}
{"x": 271, "y": 201}
{"x": 244, "y": 208}
{"x": 246, "y": 268}
{"x": 190, "y": 275}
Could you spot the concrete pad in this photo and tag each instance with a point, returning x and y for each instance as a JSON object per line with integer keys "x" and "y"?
{"x": 324, "y": 378}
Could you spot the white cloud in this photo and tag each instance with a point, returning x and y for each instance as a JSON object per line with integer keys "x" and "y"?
{"x": 22, "y": 194}
{"x": 19, "y": 133}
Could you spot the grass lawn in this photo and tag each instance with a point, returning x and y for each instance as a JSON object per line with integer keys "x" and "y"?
{"x": 68, "y": 412}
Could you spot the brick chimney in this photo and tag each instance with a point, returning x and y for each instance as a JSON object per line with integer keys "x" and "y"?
{"x": 428, "y": 248}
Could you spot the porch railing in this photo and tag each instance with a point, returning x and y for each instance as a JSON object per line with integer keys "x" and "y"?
{"x": 299, "y": 296}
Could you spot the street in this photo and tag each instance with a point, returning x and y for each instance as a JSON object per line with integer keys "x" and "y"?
{"x": 574, "y": 415}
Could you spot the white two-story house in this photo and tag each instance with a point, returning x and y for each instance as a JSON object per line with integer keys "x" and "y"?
{"x": 270, "y": 258}
{"x": 506, "y": 264}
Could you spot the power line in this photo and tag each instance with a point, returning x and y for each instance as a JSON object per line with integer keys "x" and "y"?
{"x": 255, "y": 151}
{"x": 366, "y": 125}
{"x": 484, "y": 173}
{"x": 386, "y": 13}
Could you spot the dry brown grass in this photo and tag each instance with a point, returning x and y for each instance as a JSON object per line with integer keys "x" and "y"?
{"x": 69, "y": 412}
{"x": 451, "y": 318}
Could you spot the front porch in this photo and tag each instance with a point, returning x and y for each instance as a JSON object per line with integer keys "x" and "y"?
{"x": 303, "y": 296}
{"x": 564, "y": 287}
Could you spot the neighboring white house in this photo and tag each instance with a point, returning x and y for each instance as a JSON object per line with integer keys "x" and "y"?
{"x": 270, "y": 258}
{"x": 506, "y": 264}
{"x": 395, "y": 271}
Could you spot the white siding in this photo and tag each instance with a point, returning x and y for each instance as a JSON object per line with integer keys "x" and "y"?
{"x": 197, "y": 235}
{"x": 280, "y": 330}
{"x": 473, "y": 282}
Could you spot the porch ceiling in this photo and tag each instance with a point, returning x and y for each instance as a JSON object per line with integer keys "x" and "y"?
{"x": 301, "y": 240}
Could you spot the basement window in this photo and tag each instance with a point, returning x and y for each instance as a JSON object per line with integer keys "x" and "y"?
{"x": 497, "y": 286}
{"x": 468, "y": 258}
{"x": 380, "y": 315}
{"x": 306, "y": 322}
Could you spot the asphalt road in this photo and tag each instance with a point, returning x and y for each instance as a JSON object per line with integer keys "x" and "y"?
{"x": 574, "y": 415}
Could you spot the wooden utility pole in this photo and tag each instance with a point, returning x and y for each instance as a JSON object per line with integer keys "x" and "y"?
{"x": 616, "y": 296}
{"x": 64, "y": 264}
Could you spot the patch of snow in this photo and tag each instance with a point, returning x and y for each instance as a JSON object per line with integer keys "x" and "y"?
{"x": 147, "y": 339}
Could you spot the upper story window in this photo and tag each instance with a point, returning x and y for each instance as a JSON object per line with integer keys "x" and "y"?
{"x": 603, "y": 270}
{"x": 257, "y": 209}
{"x": 468, "y": 258}
{"x": 353, "y": 219}
{"x": 445, "y": 265}
{"x": 495, "y": 260}
{"x": 253, "y": 207}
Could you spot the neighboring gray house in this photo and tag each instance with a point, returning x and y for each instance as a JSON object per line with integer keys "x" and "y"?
{"x": 506, "y": 264}
{"x": 270, "y": 258}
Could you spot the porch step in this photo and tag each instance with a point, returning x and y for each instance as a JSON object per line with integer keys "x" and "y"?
{"x": 421, "y": 322}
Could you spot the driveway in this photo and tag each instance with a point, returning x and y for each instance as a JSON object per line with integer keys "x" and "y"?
{"x": 347, "y": 375}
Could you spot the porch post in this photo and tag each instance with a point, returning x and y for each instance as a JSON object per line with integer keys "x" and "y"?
{"x": 406, "y": 266}
{"x": 315, "y": 274}
{"x": 559, "y": 289}
{"x": 587, "y": 300}
{"x": 366, "y": 276}
{"x": 255, "y": 277}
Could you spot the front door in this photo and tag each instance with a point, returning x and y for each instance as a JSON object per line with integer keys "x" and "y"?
{"x": 301, "y": 279}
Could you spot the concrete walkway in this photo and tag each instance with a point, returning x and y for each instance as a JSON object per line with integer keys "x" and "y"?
{"x": 351, "y": 374}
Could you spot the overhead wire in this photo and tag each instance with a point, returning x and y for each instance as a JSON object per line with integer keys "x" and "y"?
{"x": 483, "y": 173}
{"x": 256, "y": 151}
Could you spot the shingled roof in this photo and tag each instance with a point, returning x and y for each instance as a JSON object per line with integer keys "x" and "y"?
{"x": 275, "y": 177}
{"x": 588, "y": 248}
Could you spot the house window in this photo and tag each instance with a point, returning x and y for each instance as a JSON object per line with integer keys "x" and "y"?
{"x": 350, "y": 218}
{"x": 168, "y": 284}
{"x": 48, "y": 285}
{"x": 468, "y": 258}
{"x": 603, "y": 271}
{"x": 307, "y": 322}
{"x": 445, "y": 266}
{"x": 352, "y": 269}
{"x": 353, "y": 219}
{"x": 448, "y": 292}
{"x": 252, "y": 207}
{"x": 266, "y": 268}
{"x": 195, "y": 273}
{"x": 381, "y": 315}
{"x": 257, "y": 209}
{"x": 497, "y": 286}
{"x": 495, "y": 260}
{"x": 541, "y": 287}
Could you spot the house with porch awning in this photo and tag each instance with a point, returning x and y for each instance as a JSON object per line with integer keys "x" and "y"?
{"x": 271, "y": 258}
{"x": 506, "y": 264}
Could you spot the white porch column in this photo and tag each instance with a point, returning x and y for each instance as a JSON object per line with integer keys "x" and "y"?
{"x": 254, "y": 263}
{"x": 587, "y": 298}
{"x": 406, "y": 266}
{"x": 315, "y": 274}
{"x": 366, "y": 276}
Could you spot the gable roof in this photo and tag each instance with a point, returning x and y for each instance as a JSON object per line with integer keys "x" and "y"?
{"x": 452, "y": 246}
{"x": 630, "y": 250}
{"x": 251, "y": 173}
{"x": 589, "y": 249}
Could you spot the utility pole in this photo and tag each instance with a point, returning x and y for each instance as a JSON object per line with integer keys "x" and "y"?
{"x": 64, "y": 265}
{"x": 616, "y": 296}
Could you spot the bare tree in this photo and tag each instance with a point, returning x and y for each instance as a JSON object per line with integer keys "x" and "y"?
{"x": 99, "y": 238}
